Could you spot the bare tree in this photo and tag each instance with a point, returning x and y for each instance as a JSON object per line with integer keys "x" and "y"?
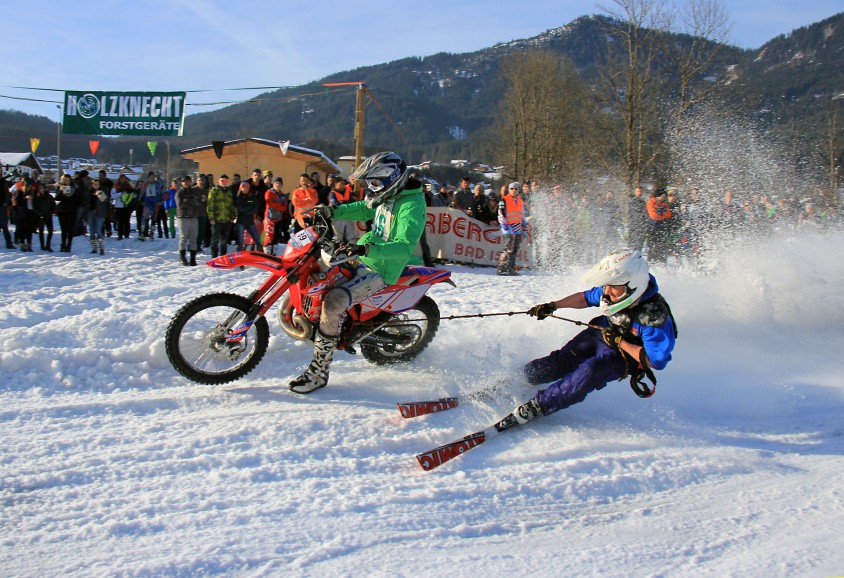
{"x": 833, "y": 149}
{"x": 630, "y": 94}
{"x": 708, "y": 29}
{"x": 541, "y": 122}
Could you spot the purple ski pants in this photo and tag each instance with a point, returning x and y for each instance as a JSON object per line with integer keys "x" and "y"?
{"x": 583, "y": 365}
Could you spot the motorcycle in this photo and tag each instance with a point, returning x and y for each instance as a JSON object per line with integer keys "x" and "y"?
{"x": 220, "y": 337}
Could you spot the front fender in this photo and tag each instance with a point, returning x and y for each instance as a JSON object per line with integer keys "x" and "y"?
{"x": 257, "y": 259}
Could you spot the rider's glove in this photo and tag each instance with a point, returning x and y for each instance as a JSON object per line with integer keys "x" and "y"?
{"x": 324, "y": 211}
{"x": 542, "y": 311}
{"x": 351, "y": 250}
{"x": 612, "y": 335}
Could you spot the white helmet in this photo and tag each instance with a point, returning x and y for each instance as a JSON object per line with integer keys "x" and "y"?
{"x": 624, "y": 267}
{"x": 384, "y": 175}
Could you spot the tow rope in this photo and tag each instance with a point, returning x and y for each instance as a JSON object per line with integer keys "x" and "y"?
{"x": 507, "y": 313}
{"x": 637, "y": 376}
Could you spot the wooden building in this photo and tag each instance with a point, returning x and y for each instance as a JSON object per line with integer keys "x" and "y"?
{"x": 242, "y": 156}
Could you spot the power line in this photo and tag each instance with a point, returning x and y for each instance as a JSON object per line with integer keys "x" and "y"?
{"x": 389, "y": 119}
{"x": 29, "y": 99}
{"x": 324, "y": 91}
{"x": 192, "y": 90}
{"x": 218, "y": 103}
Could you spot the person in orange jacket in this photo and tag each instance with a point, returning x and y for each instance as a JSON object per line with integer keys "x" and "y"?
{"x": 303, "y": 199}
{"x": 660, "y": 217}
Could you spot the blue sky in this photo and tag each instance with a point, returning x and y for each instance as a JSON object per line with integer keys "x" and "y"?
{"x": 211, "y": 44}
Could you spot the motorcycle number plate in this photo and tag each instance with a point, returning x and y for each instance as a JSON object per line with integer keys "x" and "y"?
{"x": 303, "y": 238}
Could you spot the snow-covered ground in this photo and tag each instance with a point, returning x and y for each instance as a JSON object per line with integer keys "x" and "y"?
{"x": 113, "y": 464}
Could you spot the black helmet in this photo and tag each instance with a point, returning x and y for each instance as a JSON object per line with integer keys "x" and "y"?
{"x": 384, "y": 175}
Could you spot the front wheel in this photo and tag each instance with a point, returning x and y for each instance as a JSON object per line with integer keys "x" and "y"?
{"x": 405, "y": 336}
{"x": 210, "y": 341}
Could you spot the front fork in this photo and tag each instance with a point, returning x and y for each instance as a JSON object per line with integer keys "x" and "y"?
{"x": 238, "y": 333}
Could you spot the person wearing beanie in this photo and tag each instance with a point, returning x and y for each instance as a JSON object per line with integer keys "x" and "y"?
{"x": 188, "y": 207}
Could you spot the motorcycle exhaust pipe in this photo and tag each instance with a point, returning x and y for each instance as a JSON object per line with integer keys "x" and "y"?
{"x": 295, "y": 325}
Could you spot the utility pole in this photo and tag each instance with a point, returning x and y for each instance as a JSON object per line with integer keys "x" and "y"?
{"x": 59, "y": 146}
{"x": 359, "y": 107}
{"x": 358, "y": 134}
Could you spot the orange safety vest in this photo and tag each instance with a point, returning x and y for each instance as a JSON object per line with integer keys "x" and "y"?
{"x": 515, "y": 208}
{"x": 343, "y": 197}
{"x": 658, "y": 210}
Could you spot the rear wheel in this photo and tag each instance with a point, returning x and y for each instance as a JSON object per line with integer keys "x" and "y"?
{"x": 209, "y": 340}
{"x": 399, "y": 342}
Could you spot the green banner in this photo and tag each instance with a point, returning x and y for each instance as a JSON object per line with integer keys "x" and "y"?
{"x": 124, "y": 113}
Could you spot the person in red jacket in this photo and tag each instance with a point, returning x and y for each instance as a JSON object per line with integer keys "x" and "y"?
{"x": 277, "y": 216}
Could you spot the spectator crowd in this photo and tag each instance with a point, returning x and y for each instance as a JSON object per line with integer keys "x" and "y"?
{"x": 663, "y": 222}
{"x": 230, "y": 213}
{"x": 202, "y": 214}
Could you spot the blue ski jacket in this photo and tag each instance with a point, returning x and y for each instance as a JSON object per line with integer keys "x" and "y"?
{"x": 658, "y": 340}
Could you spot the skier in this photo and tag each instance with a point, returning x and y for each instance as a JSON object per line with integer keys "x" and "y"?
{"x": 396, "y": 206}
{"x": 637, "y": 335}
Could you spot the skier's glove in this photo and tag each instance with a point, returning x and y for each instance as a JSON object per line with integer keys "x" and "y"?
{"x": 612, "y": 336}
{"x": 542, "y": 311}
{"x": 350, "y": 250}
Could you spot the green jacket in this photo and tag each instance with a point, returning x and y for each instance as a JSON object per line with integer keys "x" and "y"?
{"x": 397, "y": 226}
{"x": 220, "y": 205}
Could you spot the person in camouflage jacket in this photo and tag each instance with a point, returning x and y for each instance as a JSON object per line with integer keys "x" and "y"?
{"x": 221, "y": 215}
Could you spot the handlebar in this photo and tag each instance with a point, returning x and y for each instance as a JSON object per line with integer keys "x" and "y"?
{"x": 322, "y": 227}
{"x": 325, "y": 232}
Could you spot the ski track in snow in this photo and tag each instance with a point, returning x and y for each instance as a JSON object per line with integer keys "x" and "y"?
{"x": 113, "y": 464}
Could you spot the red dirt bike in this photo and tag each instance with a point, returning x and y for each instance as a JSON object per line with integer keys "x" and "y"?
{"x": 221, "y": 337}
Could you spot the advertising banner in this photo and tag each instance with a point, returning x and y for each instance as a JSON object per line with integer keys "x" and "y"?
{"x": 124, "y": 113}
{"x": 454, "y": 236}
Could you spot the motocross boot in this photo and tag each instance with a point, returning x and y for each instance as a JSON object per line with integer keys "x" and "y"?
{"x": 316, "y": 375}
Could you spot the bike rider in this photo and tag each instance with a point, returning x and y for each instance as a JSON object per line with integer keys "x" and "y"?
{"x": 396, "y": 205}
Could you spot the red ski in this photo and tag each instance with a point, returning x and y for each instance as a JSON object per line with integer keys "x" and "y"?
{"x": 410, "y": 409}
{"x": 438, "y": 456}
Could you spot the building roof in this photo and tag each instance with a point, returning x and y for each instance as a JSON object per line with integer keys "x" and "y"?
{"x": 27, "y": 160}
{"x": 270, "y": 143}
